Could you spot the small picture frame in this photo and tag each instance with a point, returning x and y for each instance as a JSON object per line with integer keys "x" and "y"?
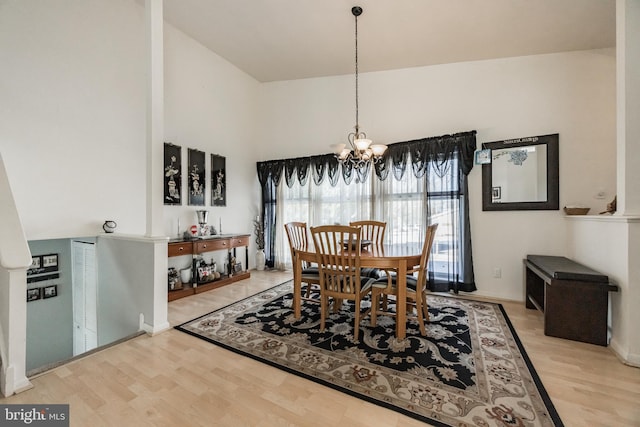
{"x": 483, "y": 157}
{"x": 50, "y": 291}
{"x": 36, "y": 262}
{"x": 49, "y": 263}
{"x": 33, "y": 294}
{"x": 237, "y": 268}
{"x": 496, "y": 193}
{"x": 36, "y": 265}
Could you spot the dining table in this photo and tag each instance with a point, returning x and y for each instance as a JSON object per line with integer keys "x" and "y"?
{"x": 400, "y": 258}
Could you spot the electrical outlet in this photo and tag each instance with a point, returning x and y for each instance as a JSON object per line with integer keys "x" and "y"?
{"x": 497, "y": 272}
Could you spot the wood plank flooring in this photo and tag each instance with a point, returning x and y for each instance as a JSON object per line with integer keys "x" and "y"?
{"x": 174, "y": 379}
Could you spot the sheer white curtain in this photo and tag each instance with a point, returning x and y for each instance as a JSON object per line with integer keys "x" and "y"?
{"x": 318, "y": 205}
{"x": 402, "y": 204}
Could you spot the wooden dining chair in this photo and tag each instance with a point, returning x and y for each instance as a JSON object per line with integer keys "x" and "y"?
{"x": 298, "y": 236}
{"x": 416, "y": 286}
{"x": 372, "y": 231}
{"x": 338, "y": 253}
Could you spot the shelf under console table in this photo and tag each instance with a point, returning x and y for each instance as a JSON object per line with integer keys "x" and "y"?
{"x": 573, "y": 298}
{"x": 225, "y": 242}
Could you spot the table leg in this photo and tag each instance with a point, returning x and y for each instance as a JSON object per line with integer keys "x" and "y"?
{"x": 297, "y": 287}
{"x": 401, "y": 300}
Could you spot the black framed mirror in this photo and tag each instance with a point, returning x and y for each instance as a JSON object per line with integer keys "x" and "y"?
{"x": 523, "y": 174}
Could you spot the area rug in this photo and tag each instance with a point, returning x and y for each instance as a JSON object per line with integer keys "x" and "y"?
{"x": 469, "y": 370}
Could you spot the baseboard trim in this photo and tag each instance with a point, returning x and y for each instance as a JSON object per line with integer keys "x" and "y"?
{"x": 623, "y": 355}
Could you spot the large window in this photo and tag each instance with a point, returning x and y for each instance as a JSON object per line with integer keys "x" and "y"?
{"x": 418, "y": 183}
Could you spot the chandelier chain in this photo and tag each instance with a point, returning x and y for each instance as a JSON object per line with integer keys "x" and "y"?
{"x": 360, "y": 152}
{"x": 357, "y": 122}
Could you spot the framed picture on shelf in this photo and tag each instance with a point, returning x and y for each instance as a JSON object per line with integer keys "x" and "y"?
{"x": 49, "y": 263}
{"x": 33, "y": 294}
{"x": 172, "y": 174}
{"x": 197, "y": 183}
{"x": 50, "y": 291}
{"x": 218, "y": 181}
{"x": 496, "y": 193}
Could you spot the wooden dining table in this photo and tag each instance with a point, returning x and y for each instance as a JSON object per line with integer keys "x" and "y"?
{"x": 397, "y": 257}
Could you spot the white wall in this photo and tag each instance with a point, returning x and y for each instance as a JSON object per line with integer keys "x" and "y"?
{"x": 72, "y": 114}
{"x": 72, "y": 118}
{"x": 607, "y": 244}
{"x": 572, "y": 94}
{"x": 211, "y": 106}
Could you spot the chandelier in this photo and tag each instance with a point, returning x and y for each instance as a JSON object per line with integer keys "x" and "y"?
{"x": 360, "y": 151}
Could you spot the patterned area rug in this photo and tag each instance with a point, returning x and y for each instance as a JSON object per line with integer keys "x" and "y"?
{"x": 470, "y": 369}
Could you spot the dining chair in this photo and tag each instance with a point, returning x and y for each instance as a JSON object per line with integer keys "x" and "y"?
{"x": 338, "y": 253}
{"x": 416, "y": 286}
{"x": 298, "y": 236}
{"x": 372, "y": 231}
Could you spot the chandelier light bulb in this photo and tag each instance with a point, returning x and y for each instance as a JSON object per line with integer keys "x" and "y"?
{"x": 362, "y": 143}
{"x": 378, "y": 149}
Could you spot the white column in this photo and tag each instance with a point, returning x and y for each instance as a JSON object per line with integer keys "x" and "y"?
{"x": 155, "y": 117}
{"x": 155, "y": 320}
{"x": 13, "y": 331}
{"x": 628, "y": 106}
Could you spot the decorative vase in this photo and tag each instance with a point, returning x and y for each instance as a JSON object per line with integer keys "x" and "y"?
{"x": 260, "y": 259}
{"x": 185, "y": 275}
{"x": 109, "y": 226}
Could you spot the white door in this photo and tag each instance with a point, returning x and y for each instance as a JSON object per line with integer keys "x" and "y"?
{"x": 85, "y": 296}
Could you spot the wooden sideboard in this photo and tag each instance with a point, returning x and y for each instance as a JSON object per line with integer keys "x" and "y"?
{"x": 225, "y": 242}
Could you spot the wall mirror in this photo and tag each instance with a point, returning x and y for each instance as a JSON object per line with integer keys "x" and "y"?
{"x": 522, "y": 174}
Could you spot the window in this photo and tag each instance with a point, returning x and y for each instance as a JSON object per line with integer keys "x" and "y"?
{"x": 419, "y": 182}
{"x": 405, "y": 204}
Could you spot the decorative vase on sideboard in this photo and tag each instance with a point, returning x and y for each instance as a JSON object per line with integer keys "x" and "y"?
{"x": 260, "y": 259}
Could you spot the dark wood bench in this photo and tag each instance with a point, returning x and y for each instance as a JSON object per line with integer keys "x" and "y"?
{"x": 573, "y": 297}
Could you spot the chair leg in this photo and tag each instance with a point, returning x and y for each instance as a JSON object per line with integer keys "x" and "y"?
{"x": 419, "y": 307}
{"x": 337, "y": 303}
{"x": 357, "y": 325}
{"x": 375, "y": 300}
{"x": 324, "y": 301}
{"x": 425, "y": 307}
{"x": 308, "y": 292}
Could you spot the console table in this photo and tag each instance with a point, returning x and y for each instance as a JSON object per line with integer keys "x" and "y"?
{"x": 223, "y": 242}
{"x": 573, "y": 297}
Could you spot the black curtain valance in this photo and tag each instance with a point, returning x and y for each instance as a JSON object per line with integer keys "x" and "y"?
{"x": 419, "y": 153}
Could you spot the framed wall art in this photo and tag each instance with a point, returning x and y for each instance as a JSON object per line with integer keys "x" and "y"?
{"x": 49, "y": 263}
{"x": 218, "y": 181}
{"x": 197, "y": 184}
{"x": 33, "y": 294}
{"x": 36, "y": 266}
{"x": 172, "y": 174}
{"x": 50, "y": 291}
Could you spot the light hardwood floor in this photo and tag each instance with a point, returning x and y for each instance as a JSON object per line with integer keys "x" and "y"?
{"x": 173, "y": 379}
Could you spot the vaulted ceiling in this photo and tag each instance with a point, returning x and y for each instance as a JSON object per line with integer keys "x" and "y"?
{"x": 292, "y": 39}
